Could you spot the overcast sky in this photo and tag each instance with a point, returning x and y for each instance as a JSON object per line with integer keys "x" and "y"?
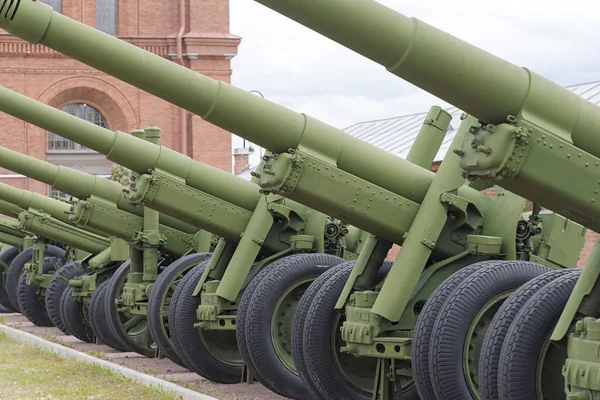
{"x": 302, "y": 70}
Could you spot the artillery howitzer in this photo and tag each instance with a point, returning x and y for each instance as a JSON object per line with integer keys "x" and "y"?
{"x": 535, "y": 138}
{"x": 48, "y": 218}
{"x": 10, "y": 234}
{"x": 98, "y": 209}
{"x": 37, "y": 235}
{"x": 256, "y": 230}
{"x": 442, "y": 225}
{"x": 13, "y": 242}
{"x": 29, "y": 276}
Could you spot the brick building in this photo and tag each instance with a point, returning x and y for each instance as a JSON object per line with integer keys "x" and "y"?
{"x": 192, "y": 32}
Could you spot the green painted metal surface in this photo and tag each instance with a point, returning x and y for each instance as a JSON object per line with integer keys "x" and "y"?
{"x": 430, "y": 58}
{"x": 78, "y": 184}
{"x": 214, "y": 101}
{"x": 50, "y": 228}
{"x": 208, "y": 198}
{"x": 10, "y": 240}
{"x": 534, "y": 137}
{"x": 421, "y": 239}
{"x": 157, "y": 190}
{"x": 102, "y": 209}
{"x": 11, "y": 227}
{"x": 317, "y": 165}
{"x": 9, "y": 209}
{"x": 100, "y": 215}
{"x": 537, "y": 163}
{"x": 26, "y": 199}
{"x": 253, "y": 238}
{"x": 580, "y": 370}
{"x": 430, "y": 138}
{"x": 529, "y": 121}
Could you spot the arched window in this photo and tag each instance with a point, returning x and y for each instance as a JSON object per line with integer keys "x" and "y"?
{"x": 65, "y": 152}
{"x": 83, "y": 111}
{"x": 107, "y": 16}
{"x": 55, "y": 4}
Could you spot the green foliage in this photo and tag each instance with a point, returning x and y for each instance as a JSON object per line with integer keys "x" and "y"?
{"x": 120, "y": 174}
{"x": 97, "y": 354}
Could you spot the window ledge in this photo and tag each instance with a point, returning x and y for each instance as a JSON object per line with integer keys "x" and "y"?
{"x": 76, "y": 151}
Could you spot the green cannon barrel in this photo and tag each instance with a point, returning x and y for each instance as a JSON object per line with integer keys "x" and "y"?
{"x": 536, "y": 135}
{"x": 9, "y": 209}
{"x": 78, "y": 184}
{"x": 464, "y": 75}
{"x": 241, "y": 197}
{"x": 10, "y": 234}
{"x": 100, "y": 222}
{"x": 41, "y": 224}
{"x": 53, "y": 223}
{"x": 9, "y": 240}
{"x": 219, "y": 189}
{"x": 11, "y": 227}
{"x": 25, "y": 199}
{"x": 267, "y": 124}
{"x": 272, "y": 126}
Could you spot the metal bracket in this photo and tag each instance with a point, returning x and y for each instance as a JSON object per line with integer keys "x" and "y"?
{"x": 150, "y": 238}
{"x": 280, "y": 173}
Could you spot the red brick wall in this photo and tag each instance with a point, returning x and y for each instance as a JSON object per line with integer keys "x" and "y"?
{"x": 590, "y": 238}
{"x": 51, "y": 78}
{"x": 241, "y": 162}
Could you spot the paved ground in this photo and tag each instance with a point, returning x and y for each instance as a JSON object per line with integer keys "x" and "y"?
{"x": 161, "y": 368}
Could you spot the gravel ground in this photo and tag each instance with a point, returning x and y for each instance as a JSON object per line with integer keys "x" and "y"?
{"x": 161, "y": 368}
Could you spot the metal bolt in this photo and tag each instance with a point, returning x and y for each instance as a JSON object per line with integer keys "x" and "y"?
{"x": 483, "y": 149}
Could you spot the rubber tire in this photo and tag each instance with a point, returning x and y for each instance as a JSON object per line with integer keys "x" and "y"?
{"x": 6, "y": 259}
{"x": 32, "y": 307}
{"x": 97, "y": 319}
{"x": 454, "y": 320}
{"x": 194, "y": 275}
{"x": 241, "y": 338}
{"x": 496, "y": 333}
{"x": 195, "y": 354}
{"x": 16, "y": 269}
{"x": 161, "y": 286}
{"x": 4, "y": 310}
{"x": 526, "y": 336}
{"x": 424, "y": 328}
{"x": 72, "y": 315}
{"x": 112, "y": 292}
{"x": 55, "y": 289}
{"x": 302, "y": 312}
{"x": 273, "y": 283}
{"x": 299, "y": 318}
{"x": 317, "y": 347}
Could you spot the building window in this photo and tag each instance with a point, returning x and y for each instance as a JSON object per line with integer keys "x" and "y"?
{"x": 55, "y": 4}
{"x": 58, "y": 193}
{"x": 107, "y": 16}
{"x": 83, "y": 111}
